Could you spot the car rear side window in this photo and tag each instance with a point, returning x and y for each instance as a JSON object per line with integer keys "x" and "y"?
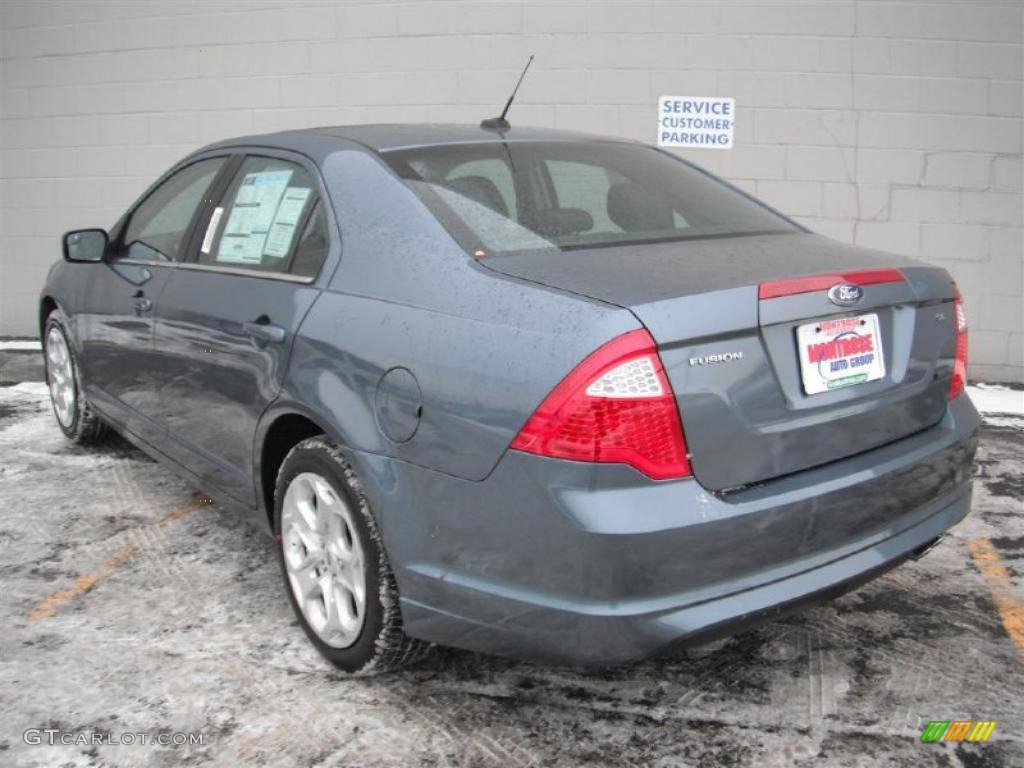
{"x": 157, "y": 227}
{"x": 258, "y": 224}
{"x": 574, "y": 195}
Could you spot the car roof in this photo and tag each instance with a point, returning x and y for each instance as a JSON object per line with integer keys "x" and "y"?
{"x": 385, "y": 137}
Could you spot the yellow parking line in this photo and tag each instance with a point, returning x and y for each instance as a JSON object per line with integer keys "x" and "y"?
{"x": 49, "y": 605}
{"x": 1011, "y": 607}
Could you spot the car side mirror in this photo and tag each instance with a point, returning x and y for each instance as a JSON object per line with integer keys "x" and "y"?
{"x": 85, "y": 245}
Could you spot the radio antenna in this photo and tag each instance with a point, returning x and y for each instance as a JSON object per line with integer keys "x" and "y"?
{"x": 500, "y": 123}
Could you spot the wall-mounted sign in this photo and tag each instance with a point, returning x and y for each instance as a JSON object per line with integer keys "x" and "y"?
{"x": 701, "y": 122}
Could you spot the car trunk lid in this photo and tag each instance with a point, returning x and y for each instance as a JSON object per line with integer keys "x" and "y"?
{"x": 728, "y": 335}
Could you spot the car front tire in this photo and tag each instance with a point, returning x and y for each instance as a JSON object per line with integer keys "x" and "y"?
{"x": 335, "y": 569}
{"x": 74, "y": 415}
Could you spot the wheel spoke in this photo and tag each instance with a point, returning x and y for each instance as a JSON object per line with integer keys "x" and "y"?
{"x": 324, "y": 493}
{"x": 52, "y": 362}
{"x": 310, "y": 515}
{"x": 343, "y": 542}
{"x": 312, "y": 540}
{"x": 345, "y": 580}
{"x": 52, "y": 353}
{"x": 359, "y": 588}
{"x": 305, "y": 582}
{"x": 349, "y": 619}
{"x": 331, "y": 604}
{"x": 298, "y": 557}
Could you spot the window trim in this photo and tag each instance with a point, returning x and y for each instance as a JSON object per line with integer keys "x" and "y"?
{"x": 223, "y": 270}
{"x": 285, "y": 276}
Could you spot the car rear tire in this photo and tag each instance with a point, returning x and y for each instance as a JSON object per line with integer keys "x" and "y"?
{"x": 74, "y": 415}
{"x": 335, "y": 569}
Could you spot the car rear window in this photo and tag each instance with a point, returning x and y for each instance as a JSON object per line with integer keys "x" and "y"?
{"x": 507, "y": 197}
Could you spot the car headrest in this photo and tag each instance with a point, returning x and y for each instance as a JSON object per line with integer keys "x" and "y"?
{"x": 636, "y": 208}
{"x": 558, "y": 222}
{"x": 480, "y": 189}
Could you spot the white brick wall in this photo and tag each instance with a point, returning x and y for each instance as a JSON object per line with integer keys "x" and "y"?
{"x": 895, "y": 125}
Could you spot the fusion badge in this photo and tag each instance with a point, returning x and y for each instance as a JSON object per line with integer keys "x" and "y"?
{"x": 722, "y": 357}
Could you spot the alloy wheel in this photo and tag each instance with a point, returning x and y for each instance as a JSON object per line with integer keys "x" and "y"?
{"x": 324, "y": 559}
{"x": 60, "y": 374}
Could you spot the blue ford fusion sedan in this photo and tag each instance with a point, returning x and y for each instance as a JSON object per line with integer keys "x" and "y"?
{"x": 517, "y": 391}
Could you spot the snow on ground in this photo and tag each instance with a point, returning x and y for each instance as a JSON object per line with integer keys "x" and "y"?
{"x": 996, "y": 398}
{"x": 25, "y": 392}
{"x": 16, "y": 345}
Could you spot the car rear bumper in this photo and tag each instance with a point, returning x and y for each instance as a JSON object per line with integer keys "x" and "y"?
{"x": 571, "y": 563}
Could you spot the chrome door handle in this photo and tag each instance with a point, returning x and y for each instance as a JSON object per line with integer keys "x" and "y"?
{"x": 143, "y": 304}
{"x": 265, "y": 331}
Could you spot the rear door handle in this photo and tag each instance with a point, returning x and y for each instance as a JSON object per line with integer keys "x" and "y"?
{"x": 143, "y": 304}
{"x": 264, "y": 331}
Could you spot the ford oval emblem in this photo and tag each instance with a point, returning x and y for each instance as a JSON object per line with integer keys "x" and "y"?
{"x": 845, "y": 294}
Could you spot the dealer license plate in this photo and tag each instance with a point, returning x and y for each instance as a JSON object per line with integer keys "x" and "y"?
{"x": 840, "y": 353}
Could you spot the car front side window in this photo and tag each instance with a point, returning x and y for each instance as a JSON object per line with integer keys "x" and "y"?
{"x": 157, "y": 228}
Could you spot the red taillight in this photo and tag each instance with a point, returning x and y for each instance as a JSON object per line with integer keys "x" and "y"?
{"x": 956, "y": 386}
{"x": 615, "y": 407}
{"x": 791, "y": 286}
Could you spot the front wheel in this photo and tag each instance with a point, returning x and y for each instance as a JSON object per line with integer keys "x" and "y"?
{"x": 335, "y": 568}
{"x": 75, "y": 417}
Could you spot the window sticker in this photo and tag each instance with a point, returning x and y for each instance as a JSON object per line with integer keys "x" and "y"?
{"x": 211, "y": 228}
{"x": 282, "y": 229}
{"x": 251, "y": 215}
